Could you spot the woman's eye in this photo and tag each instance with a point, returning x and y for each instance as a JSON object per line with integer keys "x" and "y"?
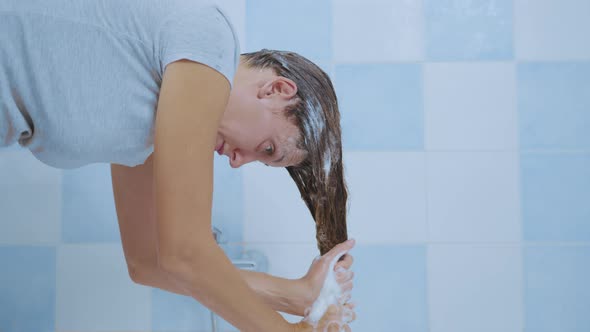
{"x": 269, "y": 150}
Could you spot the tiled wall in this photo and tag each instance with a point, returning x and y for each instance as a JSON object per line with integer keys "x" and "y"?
{"x": 467, "y": 153}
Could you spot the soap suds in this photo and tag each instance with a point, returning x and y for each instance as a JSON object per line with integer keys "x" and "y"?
{"x": 330, "y": 294}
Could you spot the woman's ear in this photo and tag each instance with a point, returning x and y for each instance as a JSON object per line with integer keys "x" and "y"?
{"x": 279, "y": 86}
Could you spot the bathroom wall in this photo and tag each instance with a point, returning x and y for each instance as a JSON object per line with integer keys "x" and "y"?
{"x": 467, "y": 152}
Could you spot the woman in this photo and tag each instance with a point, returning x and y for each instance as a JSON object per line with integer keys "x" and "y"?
{"x": 154, "y": 87}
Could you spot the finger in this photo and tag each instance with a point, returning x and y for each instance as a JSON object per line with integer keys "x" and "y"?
{"x": 345, "y": 298}
{"x": 349, "y": 312}
{"x": 347, "y": 286}
{"x": 346, "y": 262}
{"x": 333, "y": 327}
{"x": 333, "y": 309}
{"x": 342, "y": 277}
{"x": 339, "y": 249}
{"x": 347, "y": 328}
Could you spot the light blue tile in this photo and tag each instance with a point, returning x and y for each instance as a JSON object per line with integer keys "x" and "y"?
{"x": 27, "y": 288}
{"x": 378, "y": 31}
{"x": 303, "y": 26}
{"x": 174, "y": 312}
{"x": 227, "y": 200}
{"x": 381, "y": 106}
{"x": 557, "y": 292}
{"x": 374, "y": 180}
{"x": 390, "y": 288}
{"x": 273, "y": 208}
{"x": 475, "y": 287}
{"x": 473, "y": 196}
{"x": 553, "y": 104}
{"x": 468, "y": 30}
{"x": 475, "y": 110}
{"x": 551, "y": 29}
{"x": 89, "y": 213}
{"x": 96, "y": 293}
{"x": 13, "y": 147}
{"x": 556, "y": 196}
{"x": 30, "y": 200}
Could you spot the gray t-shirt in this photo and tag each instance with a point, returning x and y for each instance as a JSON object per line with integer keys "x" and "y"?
{"x": 79, "y": 80}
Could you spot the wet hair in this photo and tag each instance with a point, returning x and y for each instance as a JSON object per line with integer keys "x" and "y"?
{"x": 314, "y": 110}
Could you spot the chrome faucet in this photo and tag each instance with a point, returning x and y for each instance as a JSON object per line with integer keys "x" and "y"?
{"x": 218, "y": 235}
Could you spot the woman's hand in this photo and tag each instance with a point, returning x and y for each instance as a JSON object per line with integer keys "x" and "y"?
{"x": 313, "y": 281}
{"x": 336, "y": 319}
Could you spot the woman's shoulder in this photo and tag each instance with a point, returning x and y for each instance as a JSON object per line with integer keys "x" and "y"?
{"x": 202, "y": 33}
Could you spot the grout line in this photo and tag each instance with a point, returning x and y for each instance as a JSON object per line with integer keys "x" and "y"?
{"x": 519, "y": 172}
{"x": 421, "y": 243}
{"x": 559, "y": 151}
{"x": 427, "y": 247}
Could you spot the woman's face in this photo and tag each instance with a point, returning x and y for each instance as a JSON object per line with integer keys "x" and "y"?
{"x": 253, "y": 127}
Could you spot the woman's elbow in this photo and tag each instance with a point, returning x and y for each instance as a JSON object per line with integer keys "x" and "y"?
{"x": 138, "y": 275}
{"x": 181, "y": 262}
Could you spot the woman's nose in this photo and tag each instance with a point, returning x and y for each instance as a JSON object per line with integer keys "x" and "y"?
{"x": 238, "y": 158}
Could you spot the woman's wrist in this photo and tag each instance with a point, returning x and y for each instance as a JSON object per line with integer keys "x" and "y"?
{"x": 301, "y": 297}
{"x": 290, "y": 296}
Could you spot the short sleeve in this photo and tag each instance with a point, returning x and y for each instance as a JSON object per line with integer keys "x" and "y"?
{"x": 200, "y": 33}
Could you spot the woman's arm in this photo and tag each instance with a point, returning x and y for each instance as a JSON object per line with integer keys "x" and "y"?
{"x": 285, "y": 295}
{"x": 192, "y": 100}
{"x": 133, "y": 192}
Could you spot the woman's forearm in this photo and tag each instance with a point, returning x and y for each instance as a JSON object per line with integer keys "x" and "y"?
{"x": 285, "y": 295}
{"x": 212, "y": 279}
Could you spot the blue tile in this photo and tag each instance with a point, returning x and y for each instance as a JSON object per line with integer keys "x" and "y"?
{"x": 390, "y": 288}
{"x": 557, "y": 292}
{"x": 227, "y": 200}
{"x": 27, "y": 288}
{"x": 555, "y": 196}
{"x": 553, "y": 105}
{"x": 89, "y": 213}
{"x": 25, "y": 183}
{"x": 468, "y": 30}
{"x": 173, "y": 312}
{"x": 95, "y": 292}
{"x": 13, "y": 147}
{"x": 303, "y": 26}
{"x": 381, "y": 106}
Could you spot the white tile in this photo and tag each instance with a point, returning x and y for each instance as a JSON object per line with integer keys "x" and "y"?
{"x": 236, "y": 10}
{"x": 30, "y": 199}
{"x": 475, "y": 288}
{"x": 378, "y": 30}
{"x": 552, "y": 29}
{"x": 95, "y": 292}
{"x": 473, "y": 196}
{"x": 387, "y": 196}
{"x": 273, "y": 208}
{"x": 470, "y": 106}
